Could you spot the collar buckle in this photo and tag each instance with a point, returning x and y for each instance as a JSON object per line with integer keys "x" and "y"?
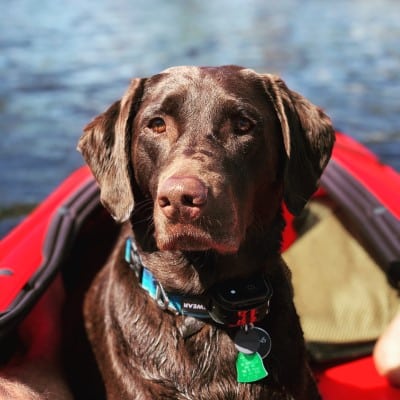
{"x": 162, "y": 299}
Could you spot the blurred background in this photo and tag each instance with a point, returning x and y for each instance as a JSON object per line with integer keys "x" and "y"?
{"x": 63, "y": 62}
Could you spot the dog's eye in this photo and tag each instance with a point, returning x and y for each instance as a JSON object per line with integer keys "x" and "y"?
{"x": 244, "y": 125}
{"x": 157, "y": 125}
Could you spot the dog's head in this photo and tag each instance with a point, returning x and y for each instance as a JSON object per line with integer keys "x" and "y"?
{"x": 216, "y": 149}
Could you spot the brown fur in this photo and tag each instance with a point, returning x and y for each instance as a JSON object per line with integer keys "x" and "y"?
{"x": 208, "y": 187}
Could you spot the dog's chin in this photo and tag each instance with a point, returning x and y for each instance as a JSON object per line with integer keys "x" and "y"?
{"x": 196, "y": 240}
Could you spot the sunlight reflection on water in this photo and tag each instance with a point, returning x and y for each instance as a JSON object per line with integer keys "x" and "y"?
{"x": 64, "y": 62}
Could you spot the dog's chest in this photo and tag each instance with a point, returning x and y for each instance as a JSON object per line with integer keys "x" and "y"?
{"x": 163, "y": 364}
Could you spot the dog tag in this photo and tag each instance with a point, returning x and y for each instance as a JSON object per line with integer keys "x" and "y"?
{"x": 247, "y": 341}
{"x": 264, "y": 340}
{"x": 250, "y": 368}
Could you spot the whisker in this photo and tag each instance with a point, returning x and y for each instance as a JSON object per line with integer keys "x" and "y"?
{"x": 142, "y": 206}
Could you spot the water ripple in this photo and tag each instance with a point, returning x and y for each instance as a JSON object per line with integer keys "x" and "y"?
{"x": 63, "y": 62}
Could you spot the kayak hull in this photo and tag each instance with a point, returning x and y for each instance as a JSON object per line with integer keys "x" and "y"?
{"x": 35, "y": 251}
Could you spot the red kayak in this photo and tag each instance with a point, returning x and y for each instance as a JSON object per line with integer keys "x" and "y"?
{"x": 36, "y": 250}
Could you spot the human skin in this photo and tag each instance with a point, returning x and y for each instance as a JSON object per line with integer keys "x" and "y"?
{"x": 387, "y": 352}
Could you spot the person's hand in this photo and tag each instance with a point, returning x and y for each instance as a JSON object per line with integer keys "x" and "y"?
{"x": 387, "y": 352}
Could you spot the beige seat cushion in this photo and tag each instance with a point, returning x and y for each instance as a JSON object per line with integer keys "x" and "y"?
{"x": 341, "y": 294}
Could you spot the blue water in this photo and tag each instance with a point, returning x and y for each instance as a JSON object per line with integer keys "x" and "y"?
{"x": 63, "y": 62}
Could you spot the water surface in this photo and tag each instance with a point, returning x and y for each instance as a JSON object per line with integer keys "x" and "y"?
{"x": 63, "y": 62}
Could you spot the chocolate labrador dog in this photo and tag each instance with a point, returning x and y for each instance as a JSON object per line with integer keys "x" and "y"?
{"x": 195, "y": 302}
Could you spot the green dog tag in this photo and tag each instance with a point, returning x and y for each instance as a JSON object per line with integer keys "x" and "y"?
{"x": 250, "y": 368}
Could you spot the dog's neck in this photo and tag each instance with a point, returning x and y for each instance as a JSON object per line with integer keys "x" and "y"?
{"x": 232, "y": 302}
{"x": 195, "y": 272}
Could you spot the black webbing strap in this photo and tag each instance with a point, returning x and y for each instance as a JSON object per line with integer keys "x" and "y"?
{"x": 378, "y": 226}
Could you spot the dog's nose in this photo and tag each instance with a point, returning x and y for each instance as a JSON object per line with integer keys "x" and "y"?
{"x": 182, "y": 198}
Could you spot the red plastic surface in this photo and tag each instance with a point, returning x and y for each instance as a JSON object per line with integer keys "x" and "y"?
{"x": 357, "y": 380}
{"x": 21, "y": 249}
{"x": 380, "y": 179}
{"x": 289, "y": 234}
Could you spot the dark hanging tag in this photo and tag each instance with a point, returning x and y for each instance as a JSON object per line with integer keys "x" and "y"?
{"x": 247, "y": 341}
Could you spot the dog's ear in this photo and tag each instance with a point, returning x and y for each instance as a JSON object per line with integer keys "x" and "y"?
{"x": 105, "y": 147}
{"x": 308, "y": 138}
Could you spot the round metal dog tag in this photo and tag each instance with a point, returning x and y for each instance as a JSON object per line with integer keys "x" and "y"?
{"x": 264, "y": 341}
